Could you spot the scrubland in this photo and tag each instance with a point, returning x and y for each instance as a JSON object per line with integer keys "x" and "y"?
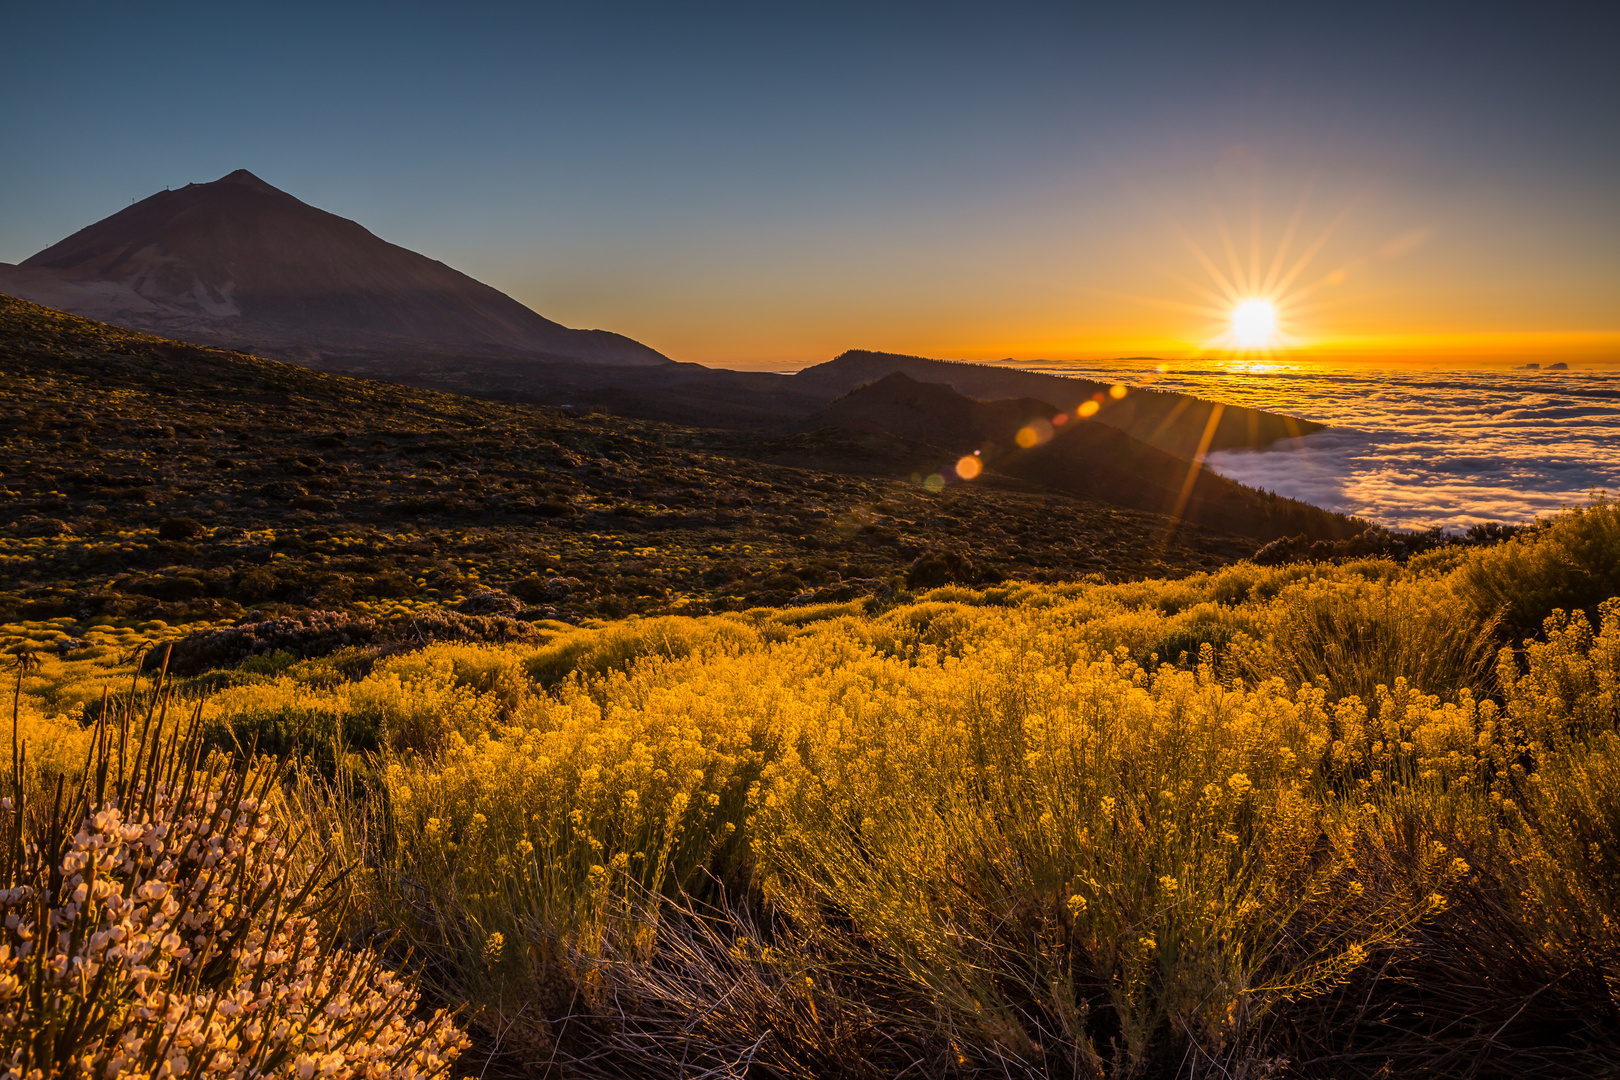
{"x": 1301, "y": 820}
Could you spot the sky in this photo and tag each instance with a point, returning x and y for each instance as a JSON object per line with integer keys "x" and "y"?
{"x": 767, "y": 185}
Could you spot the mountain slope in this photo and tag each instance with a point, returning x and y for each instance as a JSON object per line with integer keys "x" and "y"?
{"x": 760, "y": 401}
{"x": 1175, "y": 423}
{"x": 238, "y": 262}
{"x": 1084, "y": 458}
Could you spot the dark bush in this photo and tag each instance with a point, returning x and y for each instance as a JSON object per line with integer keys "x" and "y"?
{"x": 255, "y": 584}
{"x": 1286, "y": 550}
{"x": 490, "y": 602}
{"x": 180, "y": 528}
{"x": 179, "y": 587}
{"x": 335, "y": 591}
{"x": 391, "y": 584}
{"x": 935, "y": 568}
{"x": 785, "y": 583}
{"x": 722, "y": 572}
{"x": 41, "y": 526}
{"x": 283, "y": 490}
{"x": 321, "y": 633}
{"x": 531, "y": 589}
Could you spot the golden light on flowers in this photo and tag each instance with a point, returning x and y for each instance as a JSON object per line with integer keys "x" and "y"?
{"x": 578, "y": 777}
{"x": 969, "y": 467}
{"x": 1253, "y": 323}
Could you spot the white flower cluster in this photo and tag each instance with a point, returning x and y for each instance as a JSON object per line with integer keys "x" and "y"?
{"x": 176, "y": 941}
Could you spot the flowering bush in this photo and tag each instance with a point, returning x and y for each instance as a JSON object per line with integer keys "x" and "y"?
{"x": 157, "y": 923}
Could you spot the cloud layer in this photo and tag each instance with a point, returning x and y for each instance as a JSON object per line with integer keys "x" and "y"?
{"x": 1414, "y": 447}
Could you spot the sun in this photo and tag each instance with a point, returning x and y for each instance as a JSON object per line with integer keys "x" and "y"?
{"x": 1253, "y": 324}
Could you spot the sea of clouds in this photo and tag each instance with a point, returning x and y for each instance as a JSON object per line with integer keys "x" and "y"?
{"x": 1414, "y": 446}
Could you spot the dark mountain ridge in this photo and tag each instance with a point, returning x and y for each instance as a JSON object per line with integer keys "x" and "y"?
{"x": 1085, "y": 458}
{"x": 240, "y": 263}
{"x": 684, "y": 393}
{"x": 1176, "y": 423}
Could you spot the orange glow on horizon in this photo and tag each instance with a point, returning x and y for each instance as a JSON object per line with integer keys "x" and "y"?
{"x": 1218, "y": 268}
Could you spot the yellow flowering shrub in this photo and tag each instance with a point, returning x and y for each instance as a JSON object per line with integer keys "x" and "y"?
{"x": 1092, "y": 829}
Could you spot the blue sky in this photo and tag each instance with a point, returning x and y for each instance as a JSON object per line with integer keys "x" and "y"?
{"x": 767, "y": 184}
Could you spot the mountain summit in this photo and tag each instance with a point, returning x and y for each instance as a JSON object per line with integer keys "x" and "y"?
{"x": 241, "y": 263}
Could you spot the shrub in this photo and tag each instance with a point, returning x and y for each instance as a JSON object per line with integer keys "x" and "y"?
{"x": 283, "y": 490}
{"x": 592, "y": 653}
{"x": 158, "y": 923}
{"x": 939, "y": 568}
{"x": 1573, "y": 565}
{"x": 179, "y": 587}
{"x": 181, "y": 528}
{"x": 1353, "y": 635}
{"x": 255, "y": 584}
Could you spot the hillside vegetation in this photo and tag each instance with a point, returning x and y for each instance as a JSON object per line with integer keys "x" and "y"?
{"x": 1312, "y": 819}
{"x": 143, "y": 479}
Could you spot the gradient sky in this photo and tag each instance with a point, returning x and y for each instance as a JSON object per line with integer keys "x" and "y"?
{"x": 764, "y": 185}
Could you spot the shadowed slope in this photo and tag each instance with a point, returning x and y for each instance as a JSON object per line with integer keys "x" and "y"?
{"x": 1086, "y": 458}
{"x": 928, "y": 412}
{"x": 1178, "y": 424}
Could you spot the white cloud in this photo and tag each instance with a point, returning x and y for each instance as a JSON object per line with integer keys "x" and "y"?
{"x": 1414, "y": 447}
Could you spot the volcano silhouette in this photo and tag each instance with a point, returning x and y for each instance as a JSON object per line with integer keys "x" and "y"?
{"x": 240, "y": 263}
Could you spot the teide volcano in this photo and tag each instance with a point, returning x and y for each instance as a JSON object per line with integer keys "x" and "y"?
{"x": 240, "y": 263}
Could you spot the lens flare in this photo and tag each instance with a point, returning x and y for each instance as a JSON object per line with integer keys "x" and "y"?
{"x": 969, "y": 467}
{"x": 1034, "y": 433}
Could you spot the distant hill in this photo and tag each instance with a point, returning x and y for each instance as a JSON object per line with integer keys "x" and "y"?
{"x": 931, "y": 413}
{"x": 761, "y": 401}
{"x": 240, "y": 263}
{"x": 1176, "y": 423}
{"x": 1085, "y": 458}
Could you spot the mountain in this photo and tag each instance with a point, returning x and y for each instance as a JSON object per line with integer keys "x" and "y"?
{"x": 1085, "y": 458}
{"x": 240, "y": 263}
